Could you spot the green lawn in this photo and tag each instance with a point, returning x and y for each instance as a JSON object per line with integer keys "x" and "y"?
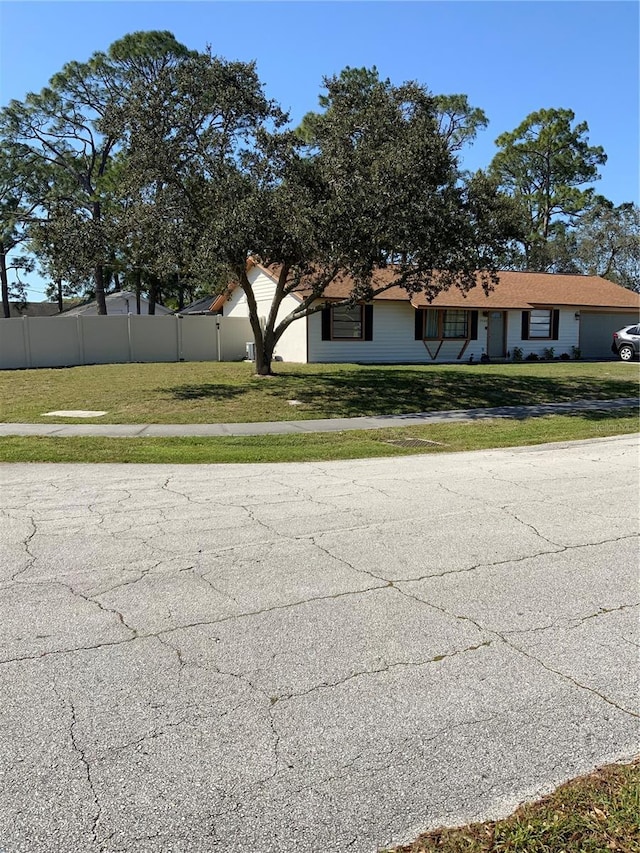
{"x": 597, "y": 813}
{"x": 473, "y": 435}
{"x": 208, "y": 392}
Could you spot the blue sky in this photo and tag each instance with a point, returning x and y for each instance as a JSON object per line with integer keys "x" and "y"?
{"x": 510, "y": 58}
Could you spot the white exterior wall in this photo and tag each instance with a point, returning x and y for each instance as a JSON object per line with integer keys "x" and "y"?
{"x": 236, "y": 305}
{"x": 393, "y": 341}
{"x": 568, "y": 330}
{"x": 292, "y": 346}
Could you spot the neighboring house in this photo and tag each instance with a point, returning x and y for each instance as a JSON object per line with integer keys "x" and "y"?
{"x": 119, "y": 302}
{"x": 33, "y": 309}
{"x": 201, "y": 307}
{"x": 532, "y": 311}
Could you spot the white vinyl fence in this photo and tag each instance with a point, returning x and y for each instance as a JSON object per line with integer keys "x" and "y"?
{"x": 68, "y": 341}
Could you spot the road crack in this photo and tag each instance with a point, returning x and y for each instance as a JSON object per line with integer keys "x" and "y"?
{"x": 386, "y": 667}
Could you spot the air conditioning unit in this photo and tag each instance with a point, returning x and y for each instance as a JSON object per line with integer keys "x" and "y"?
{"x": 250, "y": 350}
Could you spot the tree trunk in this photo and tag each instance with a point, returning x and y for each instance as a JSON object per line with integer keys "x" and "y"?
{"x": 180, "y": 286}
{"x": 98, "y": 277}
{"x": 264, "y": 354}
{"x": 59, "y": 294}
{"x": 116, "y": 282}
{"x": 153, "y": 290}
{"x": 99, "y": 270}
{"x": 138, "y": 289}
{"x": 6, "y": 309}
{"x": 264, "y": 357}
{"x": 264, "y": 350}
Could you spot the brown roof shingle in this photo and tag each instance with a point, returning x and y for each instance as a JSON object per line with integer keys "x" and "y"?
{"x": 516, "y": 290}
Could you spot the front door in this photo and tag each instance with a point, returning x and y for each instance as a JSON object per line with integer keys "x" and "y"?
{"x": 495, "y": 334}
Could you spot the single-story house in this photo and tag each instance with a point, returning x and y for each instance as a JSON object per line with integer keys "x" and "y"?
{"x": 118, "y": 302}
{"x": 33, "y": 309}
{"x": 201, "y": 307}
{"x": 533, "y": 312}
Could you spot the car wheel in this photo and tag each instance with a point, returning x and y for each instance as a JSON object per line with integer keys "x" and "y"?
{"x": 626, "y": 352}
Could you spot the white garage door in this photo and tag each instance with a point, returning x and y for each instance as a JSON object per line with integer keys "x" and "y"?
{"x": 596, "y": 332}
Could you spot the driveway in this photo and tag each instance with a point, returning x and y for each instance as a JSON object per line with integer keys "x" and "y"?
{"x": 310, "y": 657}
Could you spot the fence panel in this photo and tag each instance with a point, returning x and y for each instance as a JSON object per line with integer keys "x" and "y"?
{"x": 67, "y": 341}
{"x": 104, "y": 343}
{"x": 199, "y": 338}
{"x": 13, "y": 351}
{"x": 153, "y": 338}
{"x": 52, "y": 341}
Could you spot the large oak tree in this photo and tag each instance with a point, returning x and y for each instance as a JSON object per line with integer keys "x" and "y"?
{"x": 375, "y": 183}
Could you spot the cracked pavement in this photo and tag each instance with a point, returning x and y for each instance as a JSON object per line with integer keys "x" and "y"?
{"x": 310, "y": 657}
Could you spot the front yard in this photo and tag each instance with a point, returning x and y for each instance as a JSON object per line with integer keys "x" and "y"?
{"x": 206, "y": 392}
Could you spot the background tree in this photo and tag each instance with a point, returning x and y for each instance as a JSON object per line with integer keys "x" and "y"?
{"x": 63, "y": 127}
{"x": 18, "y": 180}
{"x": 607, "y": 243}
{"x": 458, "y": 121}
{"x": 545, "y": 164}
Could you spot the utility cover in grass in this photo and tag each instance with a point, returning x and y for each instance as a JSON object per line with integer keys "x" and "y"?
{"x": 415, "y": 442}
{"x": 74, "y": 413}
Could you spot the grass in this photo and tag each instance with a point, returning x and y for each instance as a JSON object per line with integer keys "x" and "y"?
{"x": 209, "y": 392}
{"x": 597, "y": 813}
{"x": 476, "y": 435}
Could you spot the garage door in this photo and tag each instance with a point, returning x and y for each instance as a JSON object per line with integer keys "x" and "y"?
{"x": 596, "y": 332}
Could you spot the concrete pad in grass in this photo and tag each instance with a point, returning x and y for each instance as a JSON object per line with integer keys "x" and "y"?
{"x": 74, "y": 413}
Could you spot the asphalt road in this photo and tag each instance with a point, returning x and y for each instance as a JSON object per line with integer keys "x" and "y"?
{"x": 310, "y": 657}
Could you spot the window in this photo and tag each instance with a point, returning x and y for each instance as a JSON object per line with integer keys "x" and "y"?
{"x": 445, "y": 324}
{"x": 346, "y": 322}
{"x": 540, "y": 323}
{"x": 455, "y": 324}
{"x": 431, "y": 324}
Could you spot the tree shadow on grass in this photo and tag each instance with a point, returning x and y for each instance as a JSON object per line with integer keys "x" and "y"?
{"x": 605, "y": 414}
{"x": 206, "y": 391}
{"x": 380, "y": 390}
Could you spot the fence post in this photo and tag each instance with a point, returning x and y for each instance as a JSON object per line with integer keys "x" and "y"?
{"x": 179, "y": 354}
{"x": 129, "y": 341}
{"x": 27, "y": 340}
{"x": 80, "y": 333}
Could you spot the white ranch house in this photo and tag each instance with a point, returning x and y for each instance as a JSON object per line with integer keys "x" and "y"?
{"x": 531, "y": 311}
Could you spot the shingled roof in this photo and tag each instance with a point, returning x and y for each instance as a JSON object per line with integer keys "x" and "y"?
{"x": 528, "y": 289}
{"x": 515, "y": 290}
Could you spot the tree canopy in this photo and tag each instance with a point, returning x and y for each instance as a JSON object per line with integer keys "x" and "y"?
{"x": 372, "y": 181}
{"x": 546, "y": 165}
{"x": 169, "y": 168}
